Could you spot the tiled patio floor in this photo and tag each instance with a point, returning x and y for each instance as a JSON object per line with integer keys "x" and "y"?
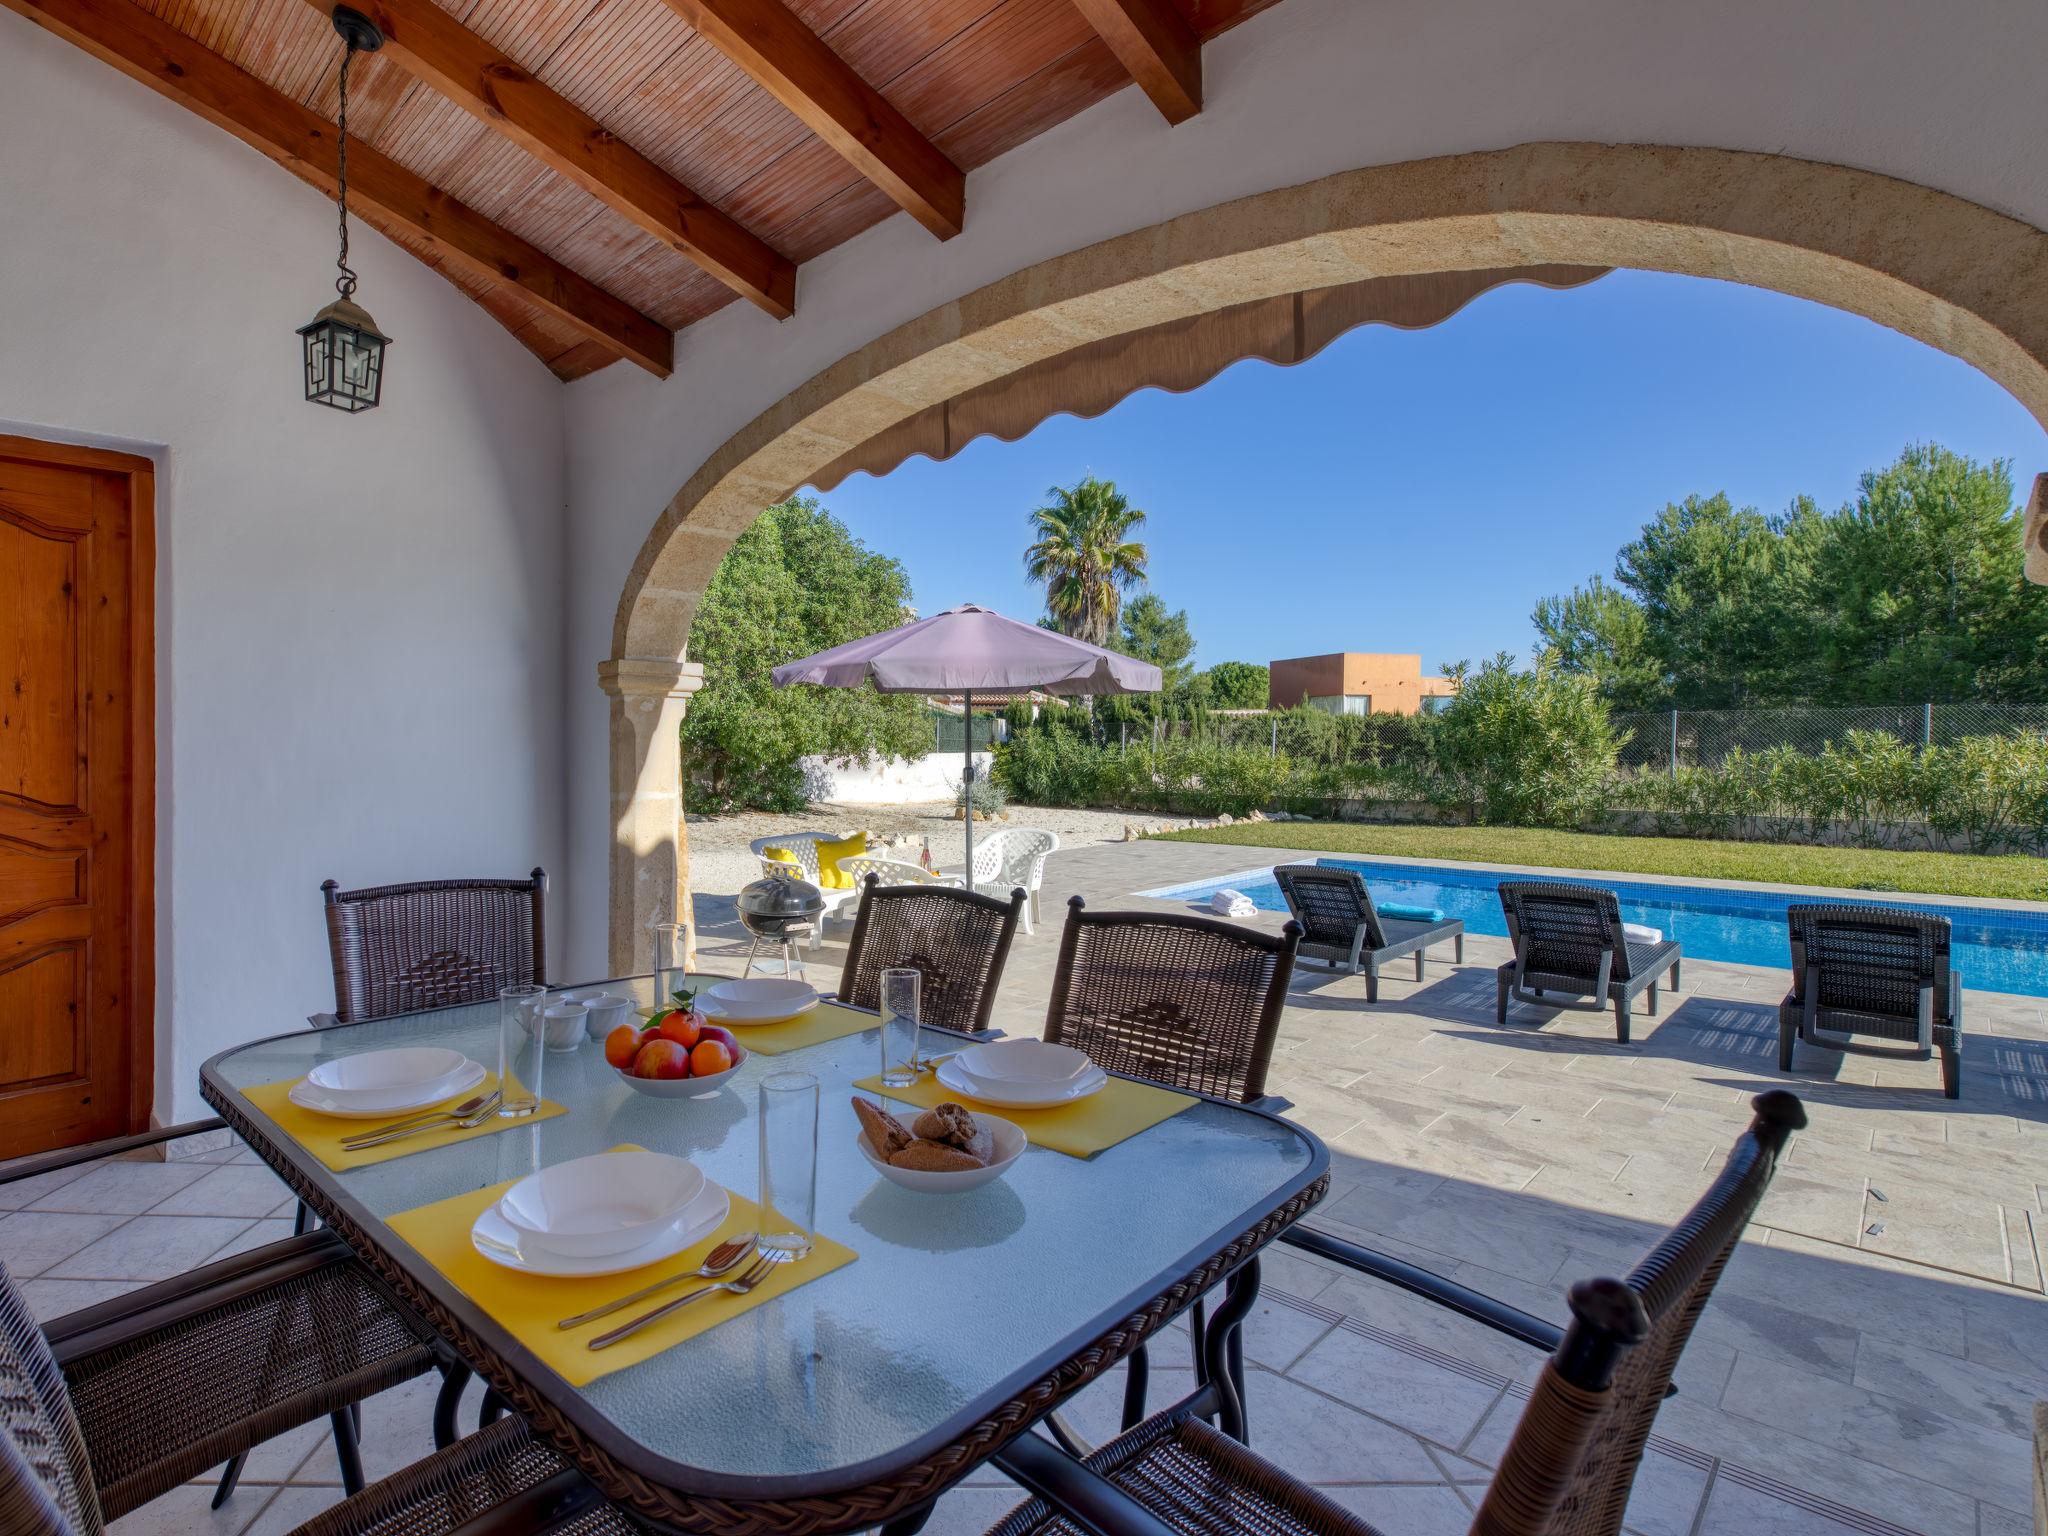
{"x": 1868, "y": 1365}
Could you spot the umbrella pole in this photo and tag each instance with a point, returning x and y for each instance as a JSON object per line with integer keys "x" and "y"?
{"x": 967, "y": 781}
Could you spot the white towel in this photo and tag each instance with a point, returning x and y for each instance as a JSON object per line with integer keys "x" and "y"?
{"x": 1229, "y": 903}
{"x": 1642, "y": 933}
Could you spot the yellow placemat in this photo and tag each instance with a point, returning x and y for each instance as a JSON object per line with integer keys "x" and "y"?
{"x": 827, "y": 1021}
{"x": 1081, "y": 1129}
{"x": 529, "y": 1305}
{"x": 321, "y": 1134}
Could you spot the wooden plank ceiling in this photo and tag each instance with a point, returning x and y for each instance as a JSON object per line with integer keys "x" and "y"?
{"x": 597, "y": 173}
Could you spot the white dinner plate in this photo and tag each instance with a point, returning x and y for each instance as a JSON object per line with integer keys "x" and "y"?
{"x": 388, "y": 1078}
{"x": 605, "y": 1204}
{"x": 1016, "y": 1096}
{"x": 497, "y": 1240}
{"x": 306, "y": 1096}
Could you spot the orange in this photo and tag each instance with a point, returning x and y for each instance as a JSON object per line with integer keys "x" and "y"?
{"x": 621, "y": 1046}
{"x": 708, "y": 1057}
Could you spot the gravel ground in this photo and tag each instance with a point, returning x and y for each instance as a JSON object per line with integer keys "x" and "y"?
{"x": 720, "y": 862}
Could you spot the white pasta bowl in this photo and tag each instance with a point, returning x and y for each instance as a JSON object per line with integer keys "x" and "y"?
{"x": 392, "y": 1079}
{"x": 607, "y": 1203}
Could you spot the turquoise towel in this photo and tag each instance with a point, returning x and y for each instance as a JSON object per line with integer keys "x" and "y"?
{"x": 1410, "y": 914}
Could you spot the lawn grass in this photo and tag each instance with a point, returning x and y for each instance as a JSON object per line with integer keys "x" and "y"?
{"x": 2009, "y": 876}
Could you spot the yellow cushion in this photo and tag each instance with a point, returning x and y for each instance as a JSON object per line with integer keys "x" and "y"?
{"x": 778, "y": 856}
{"x": 830, "y": 874}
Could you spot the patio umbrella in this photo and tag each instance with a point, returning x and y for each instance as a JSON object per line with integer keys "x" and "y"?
{"x": 969, "y": 650}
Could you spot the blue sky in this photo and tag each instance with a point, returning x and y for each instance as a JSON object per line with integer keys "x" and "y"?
{"x": 1419, "y": 491}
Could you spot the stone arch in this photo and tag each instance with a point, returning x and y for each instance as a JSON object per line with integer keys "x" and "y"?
{"x": 1950, "y": 273}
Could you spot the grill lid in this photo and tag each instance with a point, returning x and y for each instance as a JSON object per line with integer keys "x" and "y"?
{"x": 776, "y": 902}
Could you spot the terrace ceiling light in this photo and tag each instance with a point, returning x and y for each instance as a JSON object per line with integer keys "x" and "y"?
{"x": 344, "y": 348}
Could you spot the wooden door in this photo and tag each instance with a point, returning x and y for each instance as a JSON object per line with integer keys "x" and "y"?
{"x": 77, "y": 779}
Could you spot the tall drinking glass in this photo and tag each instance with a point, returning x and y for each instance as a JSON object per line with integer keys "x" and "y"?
{"x": 789, "y": 1164}
{"x": 899, "y": 1026}
{"x": 671, "y": 955}
{"x": 520, "y": 1050}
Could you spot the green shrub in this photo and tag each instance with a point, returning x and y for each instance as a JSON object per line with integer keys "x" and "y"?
{"x": 1524, "y": 749}
{"x": 1990, "y": 791}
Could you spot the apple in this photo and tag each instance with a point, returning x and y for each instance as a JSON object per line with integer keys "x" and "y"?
{"x": 661, "y": 1059}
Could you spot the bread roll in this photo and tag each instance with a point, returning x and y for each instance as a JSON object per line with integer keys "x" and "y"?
{"x": 936, "y": 1157}
{"x": 885, "y": 1132}
{"x": 950, "y": 1123}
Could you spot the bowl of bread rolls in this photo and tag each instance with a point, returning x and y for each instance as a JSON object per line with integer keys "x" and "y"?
{"x": 943, "y": 1151}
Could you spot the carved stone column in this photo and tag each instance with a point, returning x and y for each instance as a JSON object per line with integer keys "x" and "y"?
{"x": 650, "y": 864}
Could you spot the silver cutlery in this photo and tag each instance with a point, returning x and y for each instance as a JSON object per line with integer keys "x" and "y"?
{"x": 466, "y": 1107}
{"x": 467, "y": 1122}
{"x": 718, "y": 1263}
{"x": 761, "y": 1269}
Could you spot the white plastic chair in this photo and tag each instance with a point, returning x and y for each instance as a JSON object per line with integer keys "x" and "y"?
{"x": 1012, "y": 857}
{"x": 894, "y": 871}
{"x": 803, "y": 847}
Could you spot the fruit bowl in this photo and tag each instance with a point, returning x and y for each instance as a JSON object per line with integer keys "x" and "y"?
{"x": 684, "y": 1087}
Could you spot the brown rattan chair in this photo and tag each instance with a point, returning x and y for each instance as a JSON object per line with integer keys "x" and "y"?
{"x": 176, "y": 1377}
{"x": 1341, "y": 927}
{"x": 1570, "y": 1463}
{"x": 432, "y": 944}
{"x": 1877, "y": 971}
{"x": 957, "y": 941}
{"x": 1569, "y": 943}
{"x": 1189, "y": 1002}
{"x": 62, "y": 1475}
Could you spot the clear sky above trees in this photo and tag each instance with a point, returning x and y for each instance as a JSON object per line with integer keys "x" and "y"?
{"x": 1420, "y": 491}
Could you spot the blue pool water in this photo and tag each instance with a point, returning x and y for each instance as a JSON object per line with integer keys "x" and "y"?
{"x": 1997, "y": 949}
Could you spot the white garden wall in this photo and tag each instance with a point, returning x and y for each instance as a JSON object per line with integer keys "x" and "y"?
{"x": 1941, "y": 95}
{"x": 891, "y": 780}
{"x": 359, "y": 619}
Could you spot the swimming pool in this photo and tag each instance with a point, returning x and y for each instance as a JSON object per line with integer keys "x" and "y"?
{"x": 1997, "y": 949}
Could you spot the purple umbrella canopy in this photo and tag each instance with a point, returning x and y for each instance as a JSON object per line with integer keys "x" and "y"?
{"x": 970, "y": 649}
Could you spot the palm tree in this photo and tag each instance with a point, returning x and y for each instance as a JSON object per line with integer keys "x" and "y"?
{"x": 1084, "y": 556}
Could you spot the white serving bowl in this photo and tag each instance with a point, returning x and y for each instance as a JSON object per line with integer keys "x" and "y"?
{"x": 394, "y": 1079}
{"x": 608, "y": 1203}
{"x": 760, "y": 999}
{"x": 684, "y": 1087}
{"x": 607, "y": 1012}
{"x": 1010, "y": 1143}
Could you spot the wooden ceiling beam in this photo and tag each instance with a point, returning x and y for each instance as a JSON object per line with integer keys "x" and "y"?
{"x": 428, "y": 42}
{"x": 1154, "y": 43}
{"x": 801, "y": 71}
{"x": 121, "y": 33}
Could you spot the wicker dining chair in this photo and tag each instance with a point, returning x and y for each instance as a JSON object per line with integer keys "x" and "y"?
{"x": 957, "y": 941}
{"x": 432, "y": 944}
{"x": 1881, "y": 972}
{"x": 1570, "y": 942}
{"x": 1571, "y": 1461}
{"x": 1189, "y": 1002}
{"x": 59, "y": 1477}
{"x": 169, "y": 1380}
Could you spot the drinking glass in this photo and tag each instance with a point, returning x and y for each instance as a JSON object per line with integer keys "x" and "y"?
{"x": 671, "y": 953}
{"x": 899, "y": 1026}
{"x": 789, "y": 1163}
{"x": 520, "y": 1050}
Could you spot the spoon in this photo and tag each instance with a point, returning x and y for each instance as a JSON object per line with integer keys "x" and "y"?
{"x": 722, "y": 1260}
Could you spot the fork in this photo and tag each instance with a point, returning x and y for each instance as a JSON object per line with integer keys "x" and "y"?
{"x": 718, "y": 1263}
{"x": 468, "y": 1122}
{"x": 759, "y": 1271}
{"x": 466, "y": 1107}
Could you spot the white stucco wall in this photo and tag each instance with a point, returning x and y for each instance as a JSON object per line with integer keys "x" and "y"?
{"x": 359, "y": 619}
{"x": 1945, "y": 95}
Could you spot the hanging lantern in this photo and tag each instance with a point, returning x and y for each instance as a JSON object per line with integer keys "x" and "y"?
{"x": 344, "y": 348}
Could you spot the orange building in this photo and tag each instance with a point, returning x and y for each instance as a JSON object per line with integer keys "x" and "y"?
{"x": 1356, "y": 683}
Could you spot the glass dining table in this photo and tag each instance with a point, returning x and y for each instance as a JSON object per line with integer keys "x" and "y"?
{"x": 863, "y": 1394}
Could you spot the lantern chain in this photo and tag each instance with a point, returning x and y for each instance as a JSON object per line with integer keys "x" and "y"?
{"x": 345, "y": 284}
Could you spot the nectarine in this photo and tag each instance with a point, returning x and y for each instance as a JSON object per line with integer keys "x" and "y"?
{"x": 661, "y": 1058}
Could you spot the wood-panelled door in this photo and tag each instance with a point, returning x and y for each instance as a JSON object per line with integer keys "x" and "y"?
{"x": 77, "y": 771}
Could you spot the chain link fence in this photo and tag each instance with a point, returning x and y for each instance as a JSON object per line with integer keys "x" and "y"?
{"x": 949, "y": 732}
{"x": 1703, "y": 738}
